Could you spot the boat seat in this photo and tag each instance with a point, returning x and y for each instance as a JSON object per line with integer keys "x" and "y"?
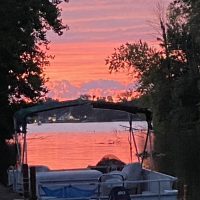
{"x": 109, "y": 181}
{"x": 132, "y": 172}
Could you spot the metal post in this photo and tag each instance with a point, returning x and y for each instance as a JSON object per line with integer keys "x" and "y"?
{"x": 151, "y": 151}
{"x": 159, "y": 189}
{"x": 184, "y": 192}
{"x": 33, "y": 183}
{"x": 17, "y": 142}
{"x": 25, "y": 180}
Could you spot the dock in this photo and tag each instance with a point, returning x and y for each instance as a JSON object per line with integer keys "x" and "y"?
{"x": 7, "y": 194}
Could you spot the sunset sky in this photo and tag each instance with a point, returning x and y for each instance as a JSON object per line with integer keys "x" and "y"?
{"x": 96, "y": 28}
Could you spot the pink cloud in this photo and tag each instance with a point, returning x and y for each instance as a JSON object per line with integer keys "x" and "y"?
{"x": 64, "y": 90}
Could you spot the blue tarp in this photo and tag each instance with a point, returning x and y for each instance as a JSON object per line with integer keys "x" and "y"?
{"x": 68, "y": 192}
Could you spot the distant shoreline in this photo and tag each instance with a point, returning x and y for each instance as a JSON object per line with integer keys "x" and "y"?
{"x": 84, "y": 127}
{"x": 84, "y": 121}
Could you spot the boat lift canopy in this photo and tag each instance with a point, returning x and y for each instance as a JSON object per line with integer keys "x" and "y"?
{"x": 20, "y": 117}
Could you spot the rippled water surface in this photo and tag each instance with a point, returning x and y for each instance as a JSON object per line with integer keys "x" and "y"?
{"x": 75, "y": 145}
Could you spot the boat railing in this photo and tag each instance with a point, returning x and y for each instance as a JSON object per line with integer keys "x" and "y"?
{"x": 96, "y": 190}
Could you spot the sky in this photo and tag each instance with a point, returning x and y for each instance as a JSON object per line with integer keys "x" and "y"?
{"x": 96, "y": 27}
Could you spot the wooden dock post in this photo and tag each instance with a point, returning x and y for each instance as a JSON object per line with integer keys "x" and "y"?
{"x": 33, "y": 183}
{"x": 25, "y": 180}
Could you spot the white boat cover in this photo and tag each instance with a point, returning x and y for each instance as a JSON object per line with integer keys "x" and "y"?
{"x": 69, "y": 175}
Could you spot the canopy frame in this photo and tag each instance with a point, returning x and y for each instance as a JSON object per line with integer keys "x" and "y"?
{"x": 20, "y": 117}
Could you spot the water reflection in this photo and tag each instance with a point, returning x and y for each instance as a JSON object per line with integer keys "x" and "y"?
{"x": 70, "y": 149}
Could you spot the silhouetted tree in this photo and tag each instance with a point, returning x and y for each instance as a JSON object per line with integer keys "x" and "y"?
{"x": 169, "y": 77}
{"x": 23, "y": 44}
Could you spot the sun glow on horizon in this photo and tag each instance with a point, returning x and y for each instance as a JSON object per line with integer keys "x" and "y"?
{"x": 96, "y": 28}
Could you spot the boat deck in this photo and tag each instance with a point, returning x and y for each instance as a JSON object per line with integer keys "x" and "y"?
{"x": 7, "y": 194}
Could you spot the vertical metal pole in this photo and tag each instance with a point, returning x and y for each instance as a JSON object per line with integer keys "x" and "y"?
{"x": 25, "y": 181}
{"x": 185, "y": 192}
{"x": 135, "y": 144}
{"x": 130, "y": 143}
{"x": 17, "y": 143}
{"x": 145, "y": 146}
{"x": 149, "y": 127}
{"x": 151, "y": 151}
{"x": 33, "y": 183}
{"x": 159, "y": 189}
{"x": 24, "y": 155}
{"x": 130, "y": 136}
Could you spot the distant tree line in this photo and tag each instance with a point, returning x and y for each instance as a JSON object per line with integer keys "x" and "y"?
{"x": 85, "y": 113}
{"x": 169, "y": 81}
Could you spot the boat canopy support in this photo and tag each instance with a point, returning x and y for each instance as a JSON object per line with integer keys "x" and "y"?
{"x": 20, "y": 117}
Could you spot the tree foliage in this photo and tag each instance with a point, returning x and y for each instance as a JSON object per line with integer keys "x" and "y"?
{"x": 170, "y": 77}
{"x": 23, "y": 45}
{"x": 23, "y": 57}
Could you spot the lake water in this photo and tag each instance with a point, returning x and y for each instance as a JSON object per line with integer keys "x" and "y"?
{"x": 77, "y": 145}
